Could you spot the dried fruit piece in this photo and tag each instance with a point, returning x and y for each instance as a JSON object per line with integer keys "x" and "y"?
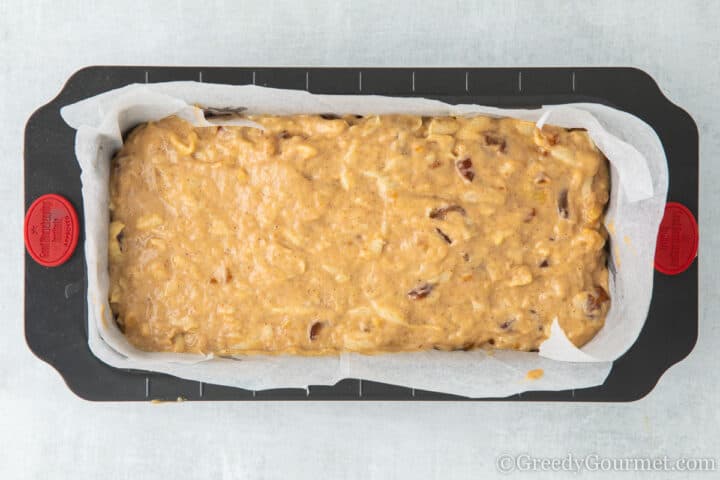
{"x": 117, "y": 229}
{"x": 529, "y": 215}
{"x": 547, "y": 137}
{"x": 443, "y": 235}
{"x": 602, "y": 294}
{"x": 551, "y": 137}
{"x": 494, "y": 140}
{"x": 563, "y": 203}
{"x": 315, "y": 329}
{"x": 541, "y": 179}
{"x": 544, "y": 264}
{"x": 507, "y": 324}
{"x": 595, "y": 302}
{"x": 465, "y": 169}
{"x": 329, "y": 116}
{"x": 421, "y": 291}
{"x": 441, "y": 212}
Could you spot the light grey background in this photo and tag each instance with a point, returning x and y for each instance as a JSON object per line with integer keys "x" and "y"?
{"x": 46, "y": 432}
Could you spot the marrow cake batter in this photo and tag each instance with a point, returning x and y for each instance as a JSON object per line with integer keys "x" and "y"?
{"x": 321, "y": 234}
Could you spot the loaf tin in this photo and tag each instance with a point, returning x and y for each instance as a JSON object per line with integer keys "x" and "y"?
{"x": 55, "y": 304}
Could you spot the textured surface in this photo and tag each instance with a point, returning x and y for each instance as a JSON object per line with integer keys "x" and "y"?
{"x": 388, "y": 233}
{"x": 45, "y": 430}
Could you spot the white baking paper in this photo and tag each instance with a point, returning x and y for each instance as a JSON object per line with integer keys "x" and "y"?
{"x": 639, "y": 187}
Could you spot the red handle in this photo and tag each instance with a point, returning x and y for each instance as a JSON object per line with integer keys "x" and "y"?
{"x": 51, "y": 230}
{"x": 677, "y": 242}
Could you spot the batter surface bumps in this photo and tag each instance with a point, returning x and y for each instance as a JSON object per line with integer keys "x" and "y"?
{"x": 326, "y": 234}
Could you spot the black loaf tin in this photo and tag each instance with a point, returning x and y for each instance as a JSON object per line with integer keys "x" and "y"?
{"x": 55, "y": 305}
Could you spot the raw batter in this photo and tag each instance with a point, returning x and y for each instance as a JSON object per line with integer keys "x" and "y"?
{"x": 324, "y": 234}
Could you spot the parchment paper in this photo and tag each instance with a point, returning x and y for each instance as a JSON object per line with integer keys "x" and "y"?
{"x": 639, "y": 188}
